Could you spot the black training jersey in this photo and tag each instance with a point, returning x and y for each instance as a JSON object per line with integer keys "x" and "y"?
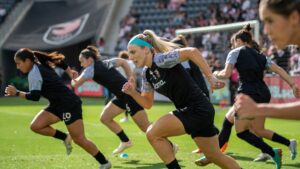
{"x": 104, "y": 73}
{"x": 170, "y": 79}
{"x": 251, "y": 66}
{"x": 45, "y": 80}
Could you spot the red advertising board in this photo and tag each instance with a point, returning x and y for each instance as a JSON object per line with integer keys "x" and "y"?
{"x": 280, "y": 90}
{"x": 89, "y": 88}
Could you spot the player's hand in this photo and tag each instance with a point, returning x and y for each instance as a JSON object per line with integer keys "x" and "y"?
{"x": 74, "y": 74}
{"x": 244, "y": 107}
{"x": 296, "y": 91}
{"x": 129, "y": 87}
{"x": 215, "y": 83}
{"x": 216, "y": 73}
{"x": 10, "y": 90}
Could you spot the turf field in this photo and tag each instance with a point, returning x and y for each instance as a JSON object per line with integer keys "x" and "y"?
{"x": 22, "y": 149}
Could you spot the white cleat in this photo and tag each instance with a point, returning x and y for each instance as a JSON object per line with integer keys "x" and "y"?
{"x": 175, "y": 148}
{"x": 68, "y": 144}
{"x": 262, "y": 157}
{"x": 105, "y": 166}
{"x": 122, "y": 147}
{"x": 124, "y": 120}
{"x": 293, "y": 148}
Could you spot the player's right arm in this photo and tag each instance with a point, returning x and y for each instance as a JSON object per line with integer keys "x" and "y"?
{"x": 145, "y": 99}
{"x": 87, "y": 74}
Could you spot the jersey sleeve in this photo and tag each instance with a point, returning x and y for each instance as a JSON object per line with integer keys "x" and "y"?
{"x": 232, "y": 56}
{"x": 111, "y": 63}
{"x": 35, "y": 79}
{"x": 146, "y": 86}
{"x": 167, "y": 59}
{"x": 88, "y": 73}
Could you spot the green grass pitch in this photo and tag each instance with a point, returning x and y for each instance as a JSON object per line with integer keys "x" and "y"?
{"x": 20, "y": 148}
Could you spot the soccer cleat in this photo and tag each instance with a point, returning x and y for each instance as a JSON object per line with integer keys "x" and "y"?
{"x": 277, "y": 157}
{"x": 105, "y": 166}
{"x": 68, "y": 144}
{"x": 262, "y": 157}
{"x": 124, "y": 120}
{"x": 175, "y": 148}
{"x": 122, "y": 147}
{"x": 224, "y": 147}
{"x": 197, "y": 151}
{"x": 203, "y": 161}
{"x": 293, "y": 148}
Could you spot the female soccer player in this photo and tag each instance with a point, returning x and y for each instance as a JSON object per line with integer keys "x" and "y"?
{"x": 281, "y": 20}
{"x": 105, "y": 74}
{"x": 194, "y": 115}
{"x": 63, "y": 103}
{"x": 251, "y": 65}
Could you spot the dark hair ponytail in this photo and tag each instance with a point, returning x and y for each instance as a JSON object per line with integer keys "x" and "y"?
{"x": 39, "y": 57}
{"x": 90, "y": 51}
{"x": 54, "y": 57}
{"x": 255, "y": 46}
{"x": 244, "y": 34}
{"x": 25, "y": 53}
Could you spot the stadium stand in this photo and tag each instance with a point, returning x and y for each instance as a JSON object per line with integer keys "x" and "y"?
{"x": 5, "y": 7}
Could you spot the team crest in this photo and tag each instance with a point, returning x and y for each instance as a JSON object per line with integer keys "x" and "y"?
{"x": 64, "y": 32}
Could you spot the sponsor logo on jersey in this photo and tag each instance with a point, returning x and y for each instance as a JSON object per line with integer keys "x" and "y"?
{"x": 159, "y": 84}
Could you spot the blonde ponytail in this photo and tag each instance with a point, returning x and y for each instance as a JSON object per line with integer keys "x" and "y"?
{"x": 158, "y": 44}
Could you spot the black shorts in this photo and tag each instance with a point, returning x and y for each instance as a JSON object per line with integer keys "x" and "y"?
{"x": 68, "y": 115}
{"x": 197, "y": 119}
{"x": 259, "y": 93}
{"x": 128, "y": 104}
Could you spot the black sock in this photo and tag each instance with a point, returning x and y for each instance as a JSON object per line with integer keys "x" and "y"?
{"x": 279, "y": 139}
{"x": 173, "y": 165}
{"x": 256, "y": 142}
{"x": 100, "y": 158}
{"x": 225, "y": 132}
{"x": 123, "y": 137}
{"x": 60, "y": 135}
{"x": 217, "y": 130}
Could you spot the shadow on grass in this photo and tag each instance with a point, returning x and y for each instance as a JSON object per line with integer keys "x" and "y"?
{"x": 140, "y": 165}
{"x": 16, "y": 101}
{"x": 238, "y": 157}
{"x": 294, "y": 165}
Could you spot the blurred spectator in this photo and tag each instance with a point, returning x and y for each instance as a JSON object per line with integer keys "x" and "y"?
{"x": 295, "y": 62}
{"x": 100, "y": 45}
{"x": 281, "y": 57}
{"x": 233, "y": 85}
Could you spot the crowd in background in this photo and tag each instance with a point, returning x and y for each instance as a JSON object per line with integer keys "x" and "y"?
{"x": 214, "y": 45}
{"x": 5, "y": 7}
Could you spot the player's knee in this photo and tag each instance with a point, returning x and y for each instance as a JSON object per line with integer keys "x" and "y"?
{"x": 151, "y": 135}
{"x": 35, "y": 128}
{"x": 104, "y": 119}
{"x": 79, "y": 139}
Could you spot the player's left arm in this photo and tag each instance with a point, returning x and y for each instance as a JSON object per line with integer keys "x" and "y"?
{"x": 225, "y": 73}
